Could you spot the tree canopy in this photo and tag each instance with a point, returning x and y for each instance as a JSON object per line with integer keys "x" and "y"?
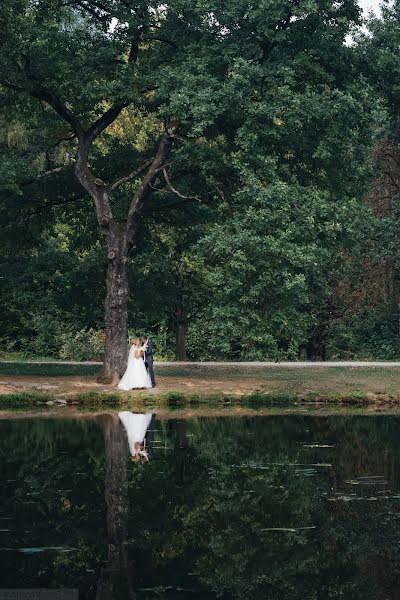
{"x": 229, "y": 151}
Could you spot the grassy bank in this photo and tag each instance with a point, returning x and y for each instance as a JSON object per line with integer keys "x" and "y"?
{"x": 120, "y": 399}
{"x": 176, "y": 399}
{"x": 381, "y": 379}
{"x": 204, "y": 383}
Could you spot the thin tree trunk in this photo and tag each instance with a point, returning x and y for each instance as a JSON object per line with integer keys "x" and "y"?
{"x": 181, "y": 329}
{"x": 181, "y": 449}
{"x": 116, "y": 317}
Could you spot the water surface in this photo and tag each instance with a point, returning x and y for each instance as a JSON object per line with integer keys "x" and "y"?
{"x": 268, "y": 507}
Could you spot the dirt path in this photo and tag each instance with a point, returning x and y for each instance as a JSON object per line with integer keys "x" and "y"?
{"x": 269, "y": 364}
{"x": 379, "y": 385}
{"x": 73, "y": 385}
{"x": 380, "y": 379}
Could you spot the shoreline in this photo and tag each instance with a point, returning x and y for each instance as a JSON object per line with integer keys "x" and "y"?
{"x": 192, "y": 385}
{"x": 174, "y": 399}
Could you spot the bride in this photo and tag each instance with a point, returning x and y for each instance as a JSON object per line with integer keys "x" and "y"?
{"x": 136, "y": 375}
{"x": 136, "y": 425}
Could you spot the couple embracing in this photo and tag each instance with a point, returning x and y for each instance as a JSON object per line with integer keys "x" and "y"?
{"x": 139, "y": 372}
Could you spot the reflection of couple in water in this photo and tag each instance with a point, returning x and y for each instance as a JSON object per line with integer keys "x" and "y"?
{"x": 139, "y": 437}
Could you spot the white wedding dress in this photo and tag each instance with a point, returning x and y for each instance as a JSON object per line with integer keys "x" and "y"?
{"x": 136, "y": 425}
{"x": 136, "y": 375}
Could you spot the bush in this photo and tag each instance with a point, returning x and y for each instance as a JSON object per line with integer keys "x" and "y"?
{"x": 371, "y": 334}
{"x": 46, "y": 339}
{"x": 54, "y": 337}
{"x": 85, "y": 344}
{"x": 172, "y": 398}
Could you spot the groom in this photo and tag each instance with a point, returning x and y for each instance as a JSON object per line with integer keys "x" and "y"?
{"x": 148, "y": 357}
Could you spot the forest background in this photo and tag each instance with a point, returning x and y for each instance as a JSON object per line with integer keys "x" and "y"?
{"x": 270, "y": 231}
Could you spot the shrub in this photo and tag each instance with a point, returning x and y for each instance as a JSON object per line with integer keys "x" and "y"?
{"x": 46, "y": 339}
{"x": 85, "y": 344}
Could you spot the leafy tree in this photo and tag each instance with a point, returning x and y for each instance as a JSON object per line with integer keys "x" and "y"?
{"x": 90, "y": 64}
{"x": 212, "y": 102}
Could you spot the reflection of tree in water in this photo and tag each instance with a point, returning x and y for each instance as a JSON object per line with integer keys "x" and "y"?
{"x": 237, "y": 521}
{"x": 364, "y": 447}
{"x": 218, "y": 511}
{"x": 118, "y": 572}
{"x": 181, "y": 447}
{"x": 117, "y": 576}
{"x": 51, "y": 495}
{"x": 204, "y": 529}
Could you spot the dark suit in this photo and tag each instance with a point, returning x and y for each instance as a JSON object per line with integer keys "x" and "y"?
{"x": 148, "y": 361}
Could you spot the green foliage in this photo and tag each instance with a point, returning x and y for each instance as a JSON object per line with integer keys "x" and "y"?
{"x": 277, "y": 117}
{"x": 22, "y": 399}
{"x": 371, "y": 334}
{"x": 82, "y": 345}
{"x": 173, "y": 398}
{"x": 269, "y": 266}
{"x": 282, "y": 399}
{"x": 100, "y": 398}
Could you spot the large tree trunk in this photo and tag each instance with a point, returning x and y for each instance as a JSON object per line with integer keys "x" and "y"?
{"x": 120, "y": 238}
{"x": 118, "y": 572}
{"x": 116, "y": 317}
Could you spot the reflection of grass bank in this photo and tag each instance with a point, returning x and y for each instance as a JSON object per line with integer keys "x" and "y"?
{"x": 121, "y": 399}
{"x": 173, "y": 399}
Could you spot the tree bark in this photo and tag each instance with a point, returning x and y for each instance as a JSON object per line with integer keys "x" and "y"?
{"x": 117, "y": 296}
{"x": 116, "y": 317}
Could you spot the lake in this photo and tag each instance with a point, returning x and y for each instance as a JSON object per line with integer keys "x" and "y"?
{"x": 280, "y": 506}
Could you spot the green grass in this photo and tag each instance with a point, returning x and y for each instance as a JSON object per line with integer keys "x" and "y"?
{"x": 297, "y": 380}
{"x": 23, "y": 399}
{"x": 291, "y": 379}
{"x": 264, "y": 384}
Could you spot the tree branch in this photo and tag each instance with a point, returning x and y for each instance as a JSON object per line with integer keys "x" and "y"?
{"x": 41, "y": 93}
{"x": 104, "y": 121}
{"x": 282, "y": 25}
{"x": 93, "y": 12}
{"x": 45, "y": 174}
{"x": 12, "y": 86}
{"x": 157, "y": 38}
{"x": 38, "y": 91}
{"x": 131, "y": 176}
{"x": 179, "y": 138}
{"x": 33, "y": 180}
{"x": 175, "y": 191}
{"x": 114, "y": 111}
{"x": 90, "y": 7}
{"x": 143, "y": 190}
{"x": 47, "y": 205}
